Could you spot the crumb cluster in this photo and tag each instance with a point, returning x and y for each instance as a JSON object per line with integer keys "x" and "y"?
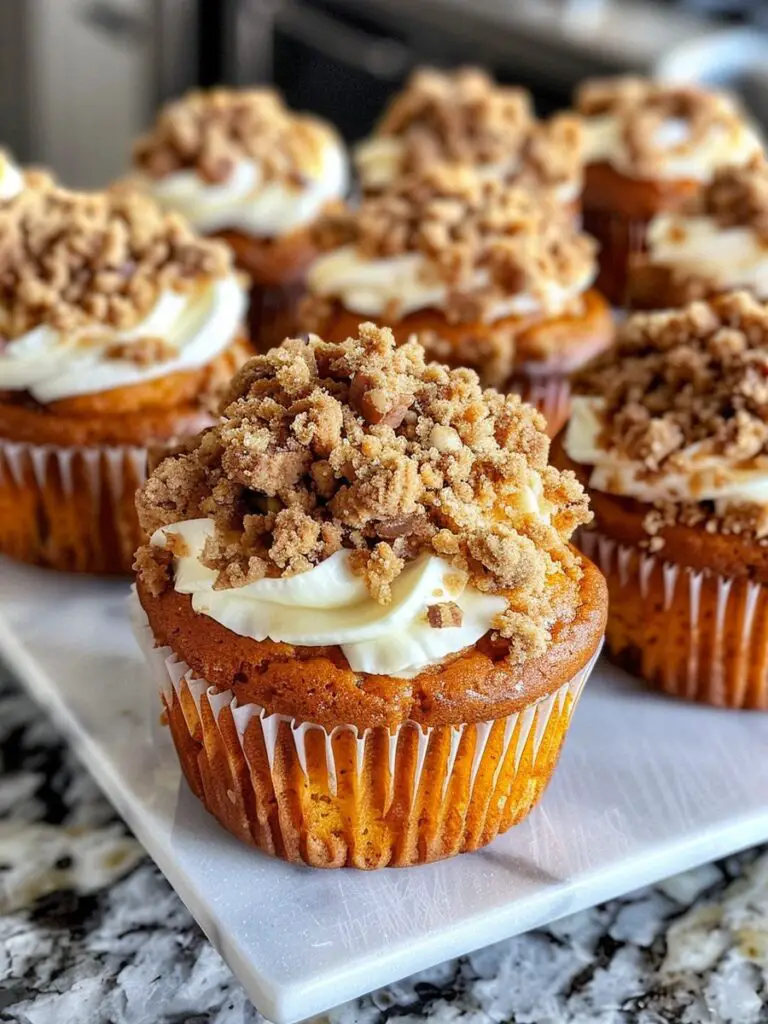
{"x": 210, "y": 132}
{"x": 72, "y": 260}
{"x": 363, "y": 445}
{"x": 686, "y": 384}
{"x": 738, "y": 197}
{"x": 465, "y": 117}
{"x": 485, "y": 240}
{"x": 643, "y": 106}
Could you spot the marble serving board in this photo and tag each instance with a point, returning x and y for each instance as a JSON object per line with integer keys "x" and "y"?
{"x": 646, "y": 787}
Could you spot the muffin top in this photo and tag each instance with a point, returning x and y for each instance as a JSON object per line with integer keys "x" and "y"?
{"x": 241, "y": 159}
{"x": 475, "y": 248}
{"x": 651, "y": 130}
{"x": 464, "y": 116}
{"x": 677, "y": 415}
{"x": 359, "y": 466}
{"x": 99, "y": 290}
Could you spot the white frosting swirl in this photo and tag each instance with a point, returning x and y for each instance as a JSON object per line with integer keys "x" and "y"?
{"x": 698, "y": 473}
{"x": 11, "y": 178}
{"x": 604, "y": 142}
{"x": 408, "y": 282}
{"x": 329, "y": 605}
{"x": 248, "y": 203}
{"x": 732, "y": 257}
{"x": 198, "y": 325}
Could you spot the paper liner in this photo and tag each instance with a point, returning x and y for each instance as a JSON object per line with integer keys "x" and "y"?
{"x": 272, "y": 313}
{"x": 620, "y": 238}
{"x": 346, "y": 797}
{"x": 551, "y": 395}
{"x": 697, "y": 635}
{"x": 70, "y": 508}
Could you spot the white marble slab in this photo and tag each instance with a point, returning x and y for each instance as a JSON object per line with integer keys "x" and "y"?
{"x": 646, "y": 787}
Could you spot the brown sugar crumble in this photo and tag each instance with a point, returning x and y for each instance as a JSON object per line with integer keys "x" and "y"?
{"x": 210, "y": 132}
{"x": 445, "y": 615}
{"x": 73, "y": 260}
{"x": 642, "y": 106}
{"x": 465, "y": 226}
{"x": 738, "y": 197}
{"x": 464, "y": 116}
{"x": 679, "y": 379}
{"x": 306, "y": 462}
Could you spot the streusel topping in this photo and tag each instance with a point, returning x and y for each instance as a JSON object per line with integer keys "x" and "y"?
{"x": 465, "y": 227}
{"x": 362, "y": 445}
{"x": 643, "y": 107}
{"x": 71, "y": 259}
{"x": 465, "y": 116}
{"x": 210, "y": 132}
{"x": 738, "y": 197}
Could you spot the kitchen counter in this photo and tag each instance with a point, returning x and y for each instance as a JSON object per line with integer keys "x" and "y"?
{"x": 90, "y": 932}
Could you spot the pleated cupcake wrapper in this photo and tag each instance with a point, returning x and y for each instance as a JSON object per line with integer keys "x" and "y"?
{"x": 551, "y": 395}
{"x": 620, "y": 238}
{"x": 90, "y": 486}
{"x": 726, "y": 661}
{"x": 525, "y": 738}
{"x": 272, "y": 312}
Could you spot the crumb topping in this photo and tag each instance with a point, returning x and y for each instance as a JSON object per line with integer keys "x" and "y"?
{"x": 738, "y": 197}
{"x": 210, "y": 132}
{"x": 685, "y": 384}
{"x": 72, "y": 259}
{"x": 365, "y": 446}
{"x": 464, "y": 116}
{"x": 485, "y": 240}
{"x": 642, "y": 107}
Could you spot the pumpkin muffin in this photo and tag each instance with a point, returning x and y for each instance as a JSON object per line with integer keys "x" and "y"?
{"x": 117, "y": 327}
{"x": 649, "y": 149}
{"x": 486, "y": 276}
{"x": 671, "y": 438}
{"x": 240, "y": 165}
{"x": 361, "y": 603}
{"x": 717, "y": 243}
{"x": 465, "y": 117}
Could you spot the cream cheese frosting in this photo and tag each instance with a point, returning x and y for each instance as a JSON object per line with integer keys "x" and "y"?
{"x": 196, "y": 326}
{"x": 329, "y": 605}
{"x": 675, "y": 161}
{"x": 730, "y": 257}
{"x": 11, "y": 178}
{"x": 696, "y": 475}
{"x": 407, "y": 282}
{"x": 249, "y": 203}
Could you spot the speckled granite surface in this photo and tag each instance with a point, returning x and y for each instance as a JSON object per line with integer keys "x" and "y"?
{"x": 90, "y": 933}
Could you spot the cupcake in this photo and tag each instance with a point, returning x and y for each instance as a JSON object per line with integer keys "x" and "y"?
{"x": 718, "y": 243}
{"x": 240, "y": 165}
{"x": 487, "y": 276}
{"x": 117, "y": 327}
{"x": 465, "y": 117}
{"x": 360, "y": 601}
{"x": 671, "y": 438}
{"x": 649, "y": 149}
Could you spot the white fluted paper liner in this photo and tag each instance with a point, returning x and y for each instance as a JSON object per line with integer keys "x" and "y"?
{"x": 94, "y": 476}
{"x": 724, "y": 652}
{"x": 523, "y": 731}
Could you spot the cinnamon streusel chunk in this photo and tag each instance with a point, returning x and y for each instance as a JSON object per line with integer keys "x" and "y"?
{"x": 365, "y": 446}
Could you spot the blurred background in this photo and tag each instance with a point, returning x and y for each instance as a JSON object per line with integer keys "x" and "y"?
{"x": 80, "y": 78}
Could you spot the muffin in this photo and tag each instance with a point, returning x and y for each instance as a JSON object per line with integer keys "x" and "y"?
{"x": 718, "y": 243}
{"x": 649, "y": 148}
{"x": 240, "y": 165}
{"x": 117, "y": 327}
{"x": 361, "y": 604}
{"x": 671, "y": 438}
{"x": 465, "y": 117}
{"x": 486, "y": 276}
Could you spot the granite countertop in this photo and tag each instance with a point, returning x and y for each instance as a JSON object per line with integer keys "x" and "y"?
{"x": 90, "y": 932}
